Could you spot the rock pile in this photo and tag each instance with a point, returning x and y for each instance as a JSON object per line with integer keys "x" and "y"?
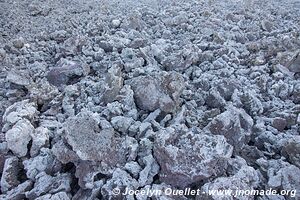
{"x": 148, "y": 95}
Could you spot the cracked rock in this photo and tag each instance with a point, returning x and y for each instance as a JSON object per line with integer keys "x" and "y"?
{"x": 47, "y": 184}
{"x": 19, "y": 137}
{"x": 162, "y": 92}
{"x": 235, "y": 124}
{"x": 44, "y": 162}
{"x": 187, "y": 158}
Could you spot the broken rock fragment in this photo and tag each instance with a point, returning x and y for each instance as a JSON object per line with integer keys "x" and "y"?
{"x": 18, "y": 111}
{"x": 161, "y": 91}
{"x": 186, "y": 158}
{"x": 88, "y": 139}
{"x": 120, "y": 181}
{"x": 291, "y": 150}
{"x": 245, "y": 179}
{"x": 67, "y": 72}
{"x": 46, "y": 184}
{"x": 235, "y": 124}
{"x": 57, "y": 196}
{"x": 93, "y": 139}
{"x": 44, "y": 162}
{"x": 18, "y": 193}
{"x": 19, "y": 136}
{"x": 10, "y": 172}
{"x": 20, "y": 78}
{"x": 73, "y": 45}
{"x": 40, "y": 137}
{"x": 294, "y": 64}
{"x": 114, "y": 83}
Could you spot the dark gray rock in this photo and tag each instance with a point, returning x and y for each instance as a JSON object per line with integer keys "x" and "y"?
{"x": 114, "y": 82}
{"x": 2, "y": 54}
{"x": 291, "y": 150}
{"x": 279, "y": 123}
{"x": 9, "y": 178}
{"x": 294, "y": 64}
{"x": 64, "y": 153}
{"x": 19, "y": 42}
{"x": 67, "y": 72}
{"x": 235, "y": 124}
{"x": 73, "y": 45}
{"x": 93, "y": 141}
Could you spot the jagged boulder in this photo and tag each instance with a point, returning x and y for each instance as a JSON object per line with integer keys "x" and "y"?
{"x": 161, "y": 91}
{"x": 186, "y": 158}
{"x": 67, "y": 72}
{"x": 235, "y": 124}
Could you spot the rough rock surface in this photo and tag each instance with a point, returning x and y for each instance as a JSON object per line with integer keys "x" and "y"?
{"x": 99, "y": 95}
{"x": 186, "y": 158}
{"x": 66, "y": 72}
{"x": 235, "y": 124}
{"x": 160, "y": 91}
{"x": 19, "y": 136}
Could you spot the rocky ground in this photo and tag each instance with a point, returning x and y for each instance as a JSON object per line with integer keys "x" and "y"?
{"x": 97, "y": 95}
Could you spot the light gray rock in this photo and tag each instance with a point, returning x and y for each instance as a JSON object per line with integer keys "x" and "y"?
{"x": 121, "y": 123}
{"x": 286, "y": 178}
{"x": 245, "y": 179}
{"x": 133, "y": 168}
{"x": 40, "y": 138}
{"x": 44, "y": 162}
{"x": 46, "y": 184}
{"x": 18, "y": 193}
{"x": 150, "y": 170}
{"x": 18, "y": 111}
{"x": 116, "y": 23}
{"x": 21, "y": 78}
{"x": 57, "y": 196}
{"x": 120, "y": 179}
{"x": 19, "y": 137}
